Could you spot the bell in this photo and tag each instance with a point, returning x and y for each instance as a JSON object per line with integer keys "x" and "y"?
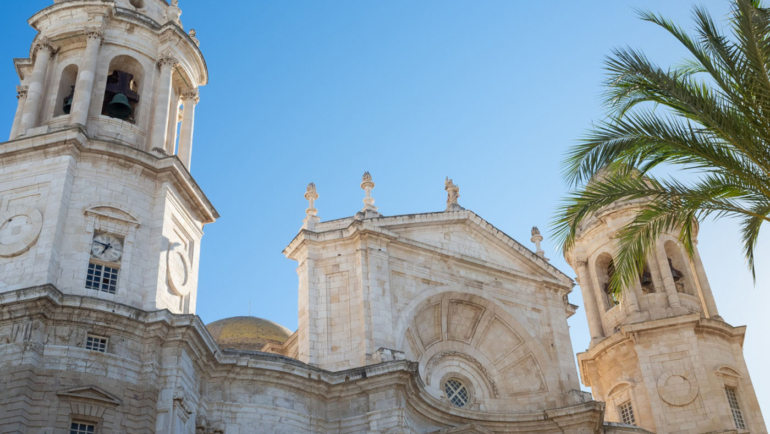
{"x": 67, "y": 105}
{"x": 646, "y": 278}
{"x": 676, "y": 274}
{"x": 119, "y": 107}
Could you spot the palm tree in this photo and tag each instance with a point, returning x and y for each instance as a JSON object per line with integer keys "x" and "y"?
{"x": 709, "y": 116}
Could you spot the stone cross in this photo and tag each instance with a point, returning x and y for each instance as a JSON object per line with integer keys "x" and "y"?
{"x": 453, "y": 194}
{"x": 311, "y": 213}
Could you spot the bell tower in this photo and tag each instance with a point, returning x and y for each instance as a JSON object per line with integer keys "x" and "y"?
{"x": 96, "y": 195}
{"x": 660, "y": 356}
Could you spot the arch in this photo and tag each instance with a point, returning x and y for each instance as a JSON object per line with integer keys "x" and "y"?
{"x": 605, "y": 267}
{"x": 495, "y": 351}
{"x": 67, "y": 82}
{"x": 113, "y": 211}
{"x": 136, "y": 83}
{"x": 680, "y": 269}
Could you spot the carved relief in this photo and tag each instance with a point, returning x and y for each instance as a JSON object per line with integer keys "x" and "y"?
{"x": 20, "y": 228}
{"x": 678, "y": 387}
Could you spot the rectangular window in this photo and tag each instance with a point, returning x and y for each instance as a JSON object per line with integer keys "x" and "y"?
{"x": 627, "y": 413}
{"x": 96, "y": 343}
{"x": 102, "y": 278}
{"x": 82, "y": 428}
{"x": 735, "y": 408}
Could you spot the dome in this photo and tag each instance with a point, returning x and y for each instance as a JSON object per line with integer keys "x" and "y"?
{"x": 247, "y": 333}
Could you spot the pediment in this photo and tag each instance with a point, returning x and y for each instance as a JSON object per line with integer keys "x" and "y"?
{"x": 113, "y": 211}
{"x": 91, "y": 393}
{"x": 478, "y": 242}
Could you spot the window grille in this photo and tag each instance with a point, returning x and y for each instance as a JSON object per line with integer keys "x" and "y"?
{"x": 626, "y": 411}
{"x": 102, "y": 278}
{"x": 457, "y": 393}
{"x": 82, "y": 428}
{"x": 96, "y": 343}
{"x": 735, "y": 408}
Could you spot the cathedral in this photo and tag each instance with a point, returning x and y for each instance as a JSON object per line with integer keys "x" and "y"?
{"x": 431, "y": 322}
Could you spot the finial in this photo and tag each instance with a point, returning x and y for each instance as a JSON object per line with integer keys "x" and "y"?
{"x": 453, "y": 194}
{"x": 369, "y": 210}
{"x": 537, "y": 238}
{"x": 193, "y": 35}
{"x": 311, "y": 213}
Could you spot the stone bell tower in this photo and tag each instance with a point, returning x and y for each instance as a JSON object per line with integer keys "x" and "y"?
{"x": 660, "y": 356}
{"x": 96, "y": 197}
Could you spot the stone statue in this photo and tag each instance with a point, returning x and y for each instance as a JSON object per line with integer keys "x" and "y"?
{"x": 453, "y": 194}
{"x": 193, "y": 33}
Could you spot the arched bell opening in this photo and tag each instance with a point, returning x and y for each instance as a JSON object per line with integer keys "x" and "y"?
{"x": 645, "y": 278}
{"x": 679, "y": 268}
{"x": 66, "y": 91}
{"x": 605, "y": 269}
{"x": 121, "y": 94}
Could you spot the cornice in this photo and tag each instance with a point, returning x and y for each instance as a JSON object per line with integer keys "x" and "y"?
{"x": 74, "y": 140}
{"x": 215, "y": 365}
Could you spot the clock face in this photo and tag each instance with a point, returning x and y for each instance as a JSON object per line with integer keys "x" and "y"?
{"x": 106, "y": 247}
{"x": 19, "y": 229}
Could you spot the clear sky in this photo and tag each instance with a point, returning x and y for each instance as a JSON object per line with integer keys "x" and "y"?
{"x": 490, "y": 93}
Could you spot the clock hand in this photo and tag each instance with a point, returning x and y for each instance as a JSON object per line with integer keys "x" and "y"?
{"x": 97, "y": 242}
{"x": 107, "y": 246}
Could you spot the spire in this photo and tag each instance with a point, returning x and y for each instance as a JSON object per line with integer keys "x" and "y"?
{"x": 537, "y": 238}
{"x": 453, "y": 193}
{"x": 311, "y": 217}
{"x": 369, "y": 210}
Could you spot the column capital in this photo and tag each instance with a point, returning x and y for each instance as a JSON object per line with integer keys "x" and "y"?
{"x": 167, "y": 59}
{"x": 94, "y": 34}
{"x": 21, "y": 91}
{"x": 192, "y": 95}
{"x": 43, "y": 44}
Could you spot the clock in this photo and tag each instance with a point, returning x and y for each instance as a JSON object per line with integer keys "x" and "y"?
{"x": 178, "y": 270}
{"x": 107, "y": 247}
{"x": 20, "y": 228}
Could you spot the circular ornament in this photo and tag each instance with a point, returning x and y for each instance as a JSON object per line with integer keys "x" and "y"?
{"x": 20, "y": 228}
{"x": 178, "y": 271}
{"x": 677, "y": 388}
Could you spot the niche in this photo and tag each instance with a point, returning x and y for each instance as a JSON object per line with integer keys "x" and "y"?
{"x": 66, "y": 91}
{"x": 121, "y": 94}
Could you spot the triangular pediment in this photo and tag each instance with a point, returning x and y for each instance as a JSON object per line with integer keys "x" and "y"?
{"x": 476, "y": 240}
{"x": 91, "y": 393}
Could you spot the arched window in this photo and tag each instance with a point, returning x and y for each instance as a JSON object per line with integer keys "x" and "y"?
{"x": 605, "y": 269}
{"x": 121, "y": 94}
{"x": 66, "y": 91}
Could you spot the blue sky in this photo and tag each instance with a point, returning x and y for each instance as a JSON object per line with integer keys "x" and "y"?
{"x": 490, "y": 93}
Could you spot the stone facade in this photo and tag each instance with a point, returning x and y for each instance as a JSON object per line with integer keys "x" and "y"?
{"x": 424, "y": 323}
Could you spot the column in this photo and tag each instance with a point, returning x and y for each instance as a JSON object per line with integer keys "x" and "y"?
{"x": 43, "y": 50}
{"x": 21, "y": 95}
{"x": 190, "y": 99}
{"x": 84, "y": 88}
{"x": 173, "y": 122}
{"x": 166, "y": 63}
{"x": 668, "y": 278}
{"x": 705, "y": 288}
{"x": 589, "y": 301}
